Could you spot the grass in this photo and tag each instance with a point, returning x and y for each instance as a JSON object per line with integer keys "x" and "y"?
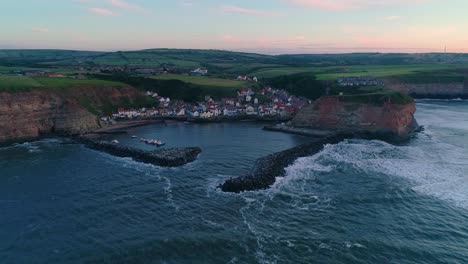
{"x": 14, "y": 83}
{"x": 204, "y": 81}
{"x": 334, "y": 72}
{"x": 17, "y": 83}
{"x": 372, "y": 95}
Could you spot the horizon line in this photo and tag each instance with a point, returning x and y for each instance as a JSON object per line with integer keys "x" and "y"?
{"x": 242, "y": 51}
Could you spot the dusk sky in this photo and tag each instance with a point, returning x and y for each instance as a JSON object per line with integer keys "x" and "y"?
{"x": 273, "y": 26}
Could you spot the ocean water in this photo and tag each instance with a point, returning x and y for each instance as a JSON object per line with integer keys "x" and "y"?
{"x": 355, "y": 202}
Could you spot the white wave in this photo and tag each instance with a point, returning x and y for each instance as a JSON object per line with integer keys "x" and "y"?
{"x": 31, "y": 147}
{"x": 169, "y": 196}
{"x": 440, "y": 100}
{"x": 433, "y": 168}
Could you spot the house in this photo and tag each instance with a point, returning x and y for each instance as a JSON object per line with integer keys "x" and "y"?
{"x": 229, "y": 111}
{"x": 79, "y": 76}
{"x": 145, "y": 71}
{"x": 181, "y": 112}
{"x": 33, "y": 73}
{"x": 124, "y": 113}
{"x": 229, "y": 101}
{"x": 206, "y": 115}
{"x": 199, "y": 71}
{"x": 359, "y": 81}
{"x": 242, "y": 78}
{"x": 250, "y": 110}
{"x": 55, "y": 75}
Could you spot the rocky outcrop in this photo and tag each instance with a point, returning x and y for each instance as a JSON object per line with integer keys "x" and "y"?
{"x": 333, "y": 114}
{"x": 166, "y": 157}
{"x": 26, "y": 115}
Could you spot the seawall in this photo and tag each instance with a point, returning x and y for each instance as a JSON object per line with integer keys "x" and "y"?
{"x": 266, "y": 169}
{"x": 165, "y": 157}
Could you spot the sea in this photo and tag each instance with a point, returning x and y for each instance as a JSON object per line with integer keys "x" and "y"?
{"x": 358, "y": 201}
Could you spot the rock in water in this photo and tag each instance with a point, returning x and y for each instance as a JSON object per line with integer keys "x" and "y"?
{"x": 170, "y": 157}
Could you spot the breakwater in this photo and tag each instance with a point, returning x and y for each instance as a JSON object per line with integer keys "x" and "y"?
{"x": 165, "y": 157}
{"x": 267, "y": 168}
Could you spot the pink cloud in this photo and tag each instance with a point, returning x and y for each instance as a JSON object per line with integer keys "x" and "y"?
{"x": 247, "y": 11}
{"x": 101, "y": 11}
{"x": 339, "y": 5}
{"x": 229, "y": 38}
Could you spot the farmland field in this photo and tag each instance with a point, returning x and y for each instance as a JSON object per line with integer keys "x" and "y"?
{"x": 203, "y": 81}
{"x": 334, "y": 72}
{"x": 14, "y": 83}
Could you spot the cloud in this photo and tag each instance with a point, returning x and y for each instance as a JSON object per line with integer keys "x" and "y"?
{"x": 185, "y": 4}
{"x": 392, "y": 18}
{"x": 229, "y": 38}
{"x": 39, "y": 30}
{"x": 246, "y": 11}
{"x": 127, "y": 6}
{"x": 340, "y": 5}
{"x": 101, "y": 11}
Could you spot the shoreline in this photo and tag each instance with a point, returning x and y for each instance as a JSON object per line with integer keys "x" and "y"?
{"x": 120, "y": 126}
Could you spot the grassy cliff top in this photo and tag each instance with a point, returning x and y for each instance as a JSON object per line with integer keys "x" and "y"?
{"x": 371, "y": 95}
{"x": 14, "y": 83}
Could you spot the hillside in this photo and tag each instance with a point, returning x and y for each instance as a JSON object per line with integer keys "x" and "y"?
{"x": 221, "y": 61}
{"x": 120, "y": 68}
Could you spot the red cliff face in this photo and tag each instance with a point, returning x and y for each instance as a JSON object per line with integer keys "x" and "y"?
{"x": 332, "y": 114}
{"x": 32, "y": 114}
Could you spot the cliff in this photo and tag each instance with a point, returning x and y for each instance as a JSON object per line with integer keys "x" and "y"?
{"x": 26, "y": 115}
{"x": 449, "y": 90}
{"x": 343, "y": 116}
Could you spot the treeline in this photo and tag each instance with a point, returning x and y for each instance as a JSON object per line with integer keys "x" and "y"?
{"x": 169, "y": 88}
{"x": 301, "y": 84}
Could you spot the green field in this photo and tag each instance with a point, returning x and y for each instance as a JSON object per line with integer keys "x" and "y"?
{"x": 204, "y": 81}
{"x": 13, "y": 83}
{"x": 333, "y": 72}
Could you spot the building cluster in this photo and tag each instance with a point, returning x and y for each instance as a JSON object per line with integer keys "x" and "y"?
{"x": 359, "y": 81}
{"x": 41, "y": 73}
{"x": 246, "y": 78}
{"x": 199, "y": 72}
{"x": 267, "y": 103}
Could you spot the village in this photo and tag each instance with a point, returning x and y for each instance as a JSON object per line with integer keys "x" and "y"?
{"x": 266, "y": 104}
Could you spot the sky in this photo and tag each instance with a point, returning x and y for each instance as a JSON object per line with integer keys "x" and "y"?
{"x": 263, "y": 26}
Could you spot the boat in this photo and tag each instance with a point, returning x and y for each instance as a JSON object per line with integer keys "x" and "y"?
{"x": 159, "y": 143}
{"x": 154, "y": 142}
{"x": 134, "y": 136}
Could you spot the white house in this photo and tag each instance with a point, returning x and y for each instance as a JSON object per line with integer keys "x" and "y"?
{"x": 250, "y": 110}
{"x": 181, "y": 112}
